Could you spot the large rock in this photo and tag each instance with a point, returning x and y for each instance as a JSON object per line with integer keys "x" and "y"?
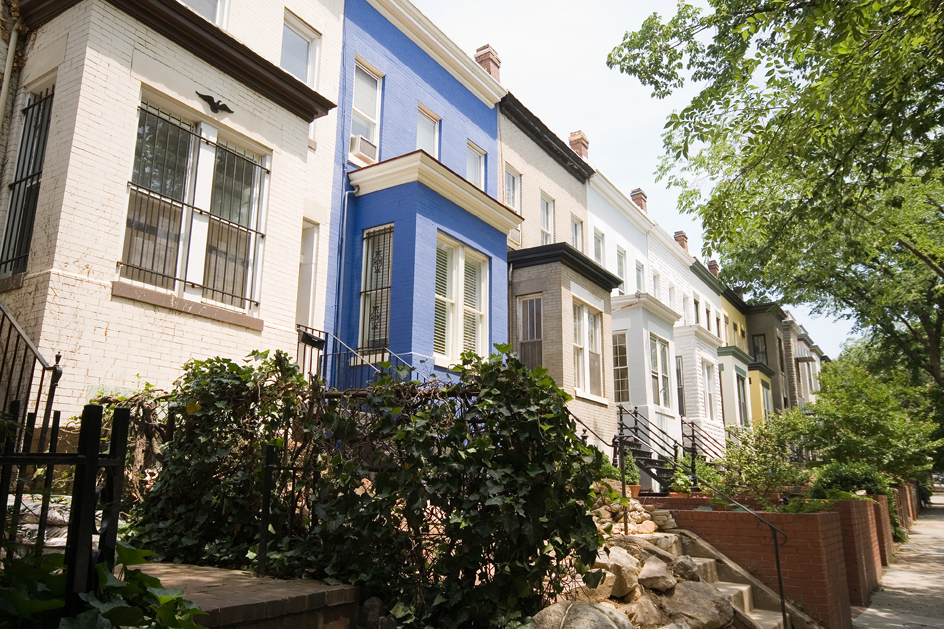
{"x": 699, "y": 604}
{"x": 624, "y": 567}
{"x": 580, "y": 615}
{"x": 684, "y": 568}
{"x": 648, "y": 527}
{"x": 639, "y": 547}
{"x": 600, "y": 593}
{"x": 646, "y": 612}
{"x": 655, "y": 575}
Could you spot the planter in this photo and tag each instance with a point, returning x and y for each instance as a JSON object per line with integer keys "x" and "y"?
{"x": 634, "y": 490}
{"x": 678, "y": 494}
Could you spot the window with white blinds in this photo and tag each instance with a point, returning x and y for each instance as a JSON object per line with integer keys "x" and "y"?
{"x": 620, "y": 368}
{"x": 530, "y": 330}
{"x": 460, "y": 311}
{"x": 588, "y": 350}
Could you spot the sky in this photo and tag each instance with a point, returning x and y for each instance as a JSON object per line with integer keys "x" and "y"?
{"x": 553, "y": 58}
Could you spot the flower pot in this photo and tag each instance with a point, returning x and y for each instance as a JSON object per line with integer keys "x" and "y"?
{"x": 634, "y": 490}
{"x": 677, "y": 494}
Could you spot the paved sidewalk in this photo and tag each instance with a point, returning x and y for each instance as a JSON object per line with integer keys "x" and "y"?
{"x": 912, "y": 591}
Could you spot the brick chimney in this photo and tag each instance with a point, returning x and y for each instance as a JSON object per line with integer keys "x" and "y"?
{"x": 682, "y": 240}
{"x": 713, "y": 267}
{"x": 580, "y": 144}
{"x": 488, "y": 59}
{"x": 639, "y": 198}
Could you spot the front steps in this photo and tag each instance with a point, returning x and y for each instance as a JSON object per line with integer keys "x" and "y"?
{"x": 741, "y": 595}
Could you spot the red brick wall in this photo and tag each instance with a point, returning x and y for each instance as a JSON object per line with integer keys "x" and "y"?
{"x": 860, "y": 549}
{"x": 883, "y": 522}
{"x": 689, "y": 503}
{"x": 903, "y": 516}
{"x": 812, "y": 558}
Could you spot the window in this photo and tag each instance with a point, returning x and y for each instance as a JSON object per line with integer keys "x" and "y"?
{"x": 299, "y": 49}
{"x": 620, "y": 369}
{"x": 659, "y": 366}
{"x": 742, "y": 401}
{"x": 210, "y": 9}
{"x": 760, "y": 348}
{"x": 365, "y": 117}
{"x": 671, "y": 297}
{"x": 512, "y": 189}
{"x": 588, "y": 349}
{"x": 737, "y": 340}
{"x": 708, "y": 317}
{"x": 768, "y": 400}
{"x": 685, "y": 302}
{"x": 718, "y": 326}
{"x": 598, "y": 247}
{"x": 375, "y": 288}
{"x": 640, "y": 278}
{"x": 209, "y": 249}
{"x": 307, "y": 275}
{"x": 709, "y": 391}
{"x": 427, "y": 132}
{"x": 530, "y": 331}
{"x": 24, "y": 191}
{"x": 697, "y": 314}
{"x": 475, "y": 166}
{"x": 780, "y": 352}
{"x": 621, "y": 268}
{"x": 576, "y": 233}
{"x": 680, "y": 385}
{"x": 459, "y": 319}
{"x": 547, "y": 220}
{"x": 657, "y": 286}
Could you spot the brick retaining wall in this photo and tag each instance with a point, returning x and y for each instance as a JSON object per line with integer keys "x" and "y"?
{"x": 883, "y": 522}
{"x": 812, "y": 559}
{"x": 860, "y": 548}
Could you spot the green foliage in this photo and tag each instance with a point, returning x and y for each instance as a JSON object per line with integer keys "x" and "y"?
{"x": 759, "y": 461}
{"x": 807, "y": 505}
{"x": 853, "y": 477}
{"x": 613, "y": 472}
{"x": 204, "y": 507}
{"x": 32, "y": 595}
{"x": 682, "y": 481}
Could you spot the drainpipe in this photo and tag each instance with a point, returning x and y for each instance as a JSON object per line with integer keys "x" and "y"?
{"x": 342, "y": 246}
{"x": 8, "y": 70}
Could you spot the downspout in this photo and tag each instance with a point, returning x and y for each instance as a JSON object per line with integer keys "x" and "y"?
{"x": 341, "y": 248}
{"x": 8, "y": 69}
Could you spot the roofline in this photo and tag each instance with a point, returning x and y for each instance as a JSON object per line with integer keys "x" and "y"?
{"x": 761, "y": 367}
{"x": 531, "y": 125}
{"x": 564, "y": 253}
{"x": 648, "y": 302}
{"x": 770, "y": 307}
{"x": 707, "y": 277}
{"x": 736, "y": 300}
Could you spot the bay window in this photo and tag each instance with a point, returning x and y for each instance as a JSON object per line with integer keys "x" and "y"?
{"x": 659, "y": 368}
{"x": 530, "y": 330}
{"x": 461, "y": 296}
{"x": 588, "y": 349}
{"x": 620, "y": 369}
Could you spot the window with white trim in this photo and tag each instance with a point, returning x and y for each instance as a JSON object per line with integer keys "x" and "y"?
{"x": 620, "y": 369}
{"x": 709, "y": 372}
{"x": 659, "y": 369}
{"x": 672, "y": 297}
{"x": 300, "y": 46}
{"x": 365, "y": 116}
{"x": 530, "y": 330}
{"x": 460, "y": 321}
{"x": 576, "y": 233}
{"x": 427, "y": 132}
{"x": 588, "y": 349}
{"x": 195, "y": 212}
{"x": 512, "y": 188}
{"x": 680, "y": 385}
{"x": 767, "y": 399}
{"x": 640, "y": 277}
{"x": 621, "y": 269}
{"x": 376, "y": 280}
{"x": 475, "y": 166}
{"x": 742, "y": 401}
{"x": 657, "y": 286}
{"x": 210, "y": 9}
{"x": 598, "y": 247}
{"x": 547, "y": 220}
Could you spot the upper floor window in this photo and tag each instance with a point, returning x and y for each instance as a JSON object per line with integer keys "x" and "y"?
{"x": 460, "y": 309}
{"x": 709, "y": 391}
{"x": 671, "y": 296}
{"x": 659, "y": 368}
{"x": 620, "y": 369}
{"x": 588, "y": 349}
{"x": 547, "y": 220}
{"x": 621, "y": 268}
{"x": 680, "y": 385}
{"x": 475, "y": 166}
{"x": 640, "y": 277}
{"x": 760, "y": 348}
{"x": 210, "y": 9}
{"x": 427, "y": 132}
{"x": 376, "y": 279}
{"x": 365, "y": 117}
{"x": 300, "y": 45}
{"x": 512, "y": 188}
{"x": 576, "y": 233}
{"x": 657, "y": 286}
{"x": 24, "y": 191}
{"x": 598, "y": 247}
{"x": 530, "y": 330}
{"x": 697, "y": 314}
{"x": 210, "y": 249}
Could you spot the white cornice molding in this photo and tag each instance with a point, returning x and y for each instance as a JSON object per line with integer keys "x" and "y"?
{"x": 434, "y": 42}
{"x": 700, "y": 333}
{"x": 420, "y": 167}
{"x": 647, "y": 302}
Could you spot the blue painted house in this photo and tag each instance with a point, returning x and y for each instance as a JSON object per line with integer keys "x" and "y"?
{"x": 418, "y": 266}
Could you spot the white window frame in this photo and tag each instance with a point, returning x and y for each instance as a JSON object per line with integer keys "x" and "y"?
{"x": 621, "y": 269}
{"x": 456, "y": 308}
{"x": 534, "y": 329}
{"x": 657, "y": 286}
{"x": 512, "y": 181}
{"x": 427, "y": 114}
{"x": 640, "y": 277}
{"x": 660, "y": 371}
{"x": 371, "y": 117}
{"x": 306, "y": 32}
{"x": 599, "y": 247}
{"x": 620, "y": 367}
{"x": 473, "y": 149}
{"x": 547, "y": 220}
{"x": 220, "y": 19}
{"x": 588, "y": 336}
{"x": 708, "y": 370}
{"x": 576, "y": 233}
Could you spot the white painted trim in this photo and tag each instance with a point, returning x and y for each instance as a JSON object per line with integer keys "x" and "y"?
{"x": 647, "y": 302}
{"x": 585, "y": 296}
{"x": 586, "y": 395}
{"x": 421, "y": 167}
{"x": 443, "y": 50}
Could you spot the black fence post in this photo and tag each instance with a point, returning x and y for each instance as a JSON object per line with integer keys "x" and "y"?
{"x": 266, "y": 508}
{"x": 47, "y": 483}
{"x": 78, "y": 558}
{"x": 114, "y": 483}
{"x": 6, "y": 476}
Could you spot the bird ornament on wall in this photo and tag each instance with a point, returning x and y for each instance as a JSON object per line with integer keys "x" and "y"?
{"x": 216, "y": 106}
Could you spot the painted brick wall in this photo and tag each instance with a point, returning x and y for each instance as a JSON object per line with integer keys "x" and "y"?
{"x": 886, "y": 542}
{"x": 860, "y": 544}
{"x": 812, "y": 559}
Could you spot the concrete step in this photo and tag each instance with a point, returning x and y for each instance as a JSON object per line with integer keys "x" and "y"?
{"x": 738, "y": 593}
{"x": 707, "y": 569}
{"x": 767, "y": 619}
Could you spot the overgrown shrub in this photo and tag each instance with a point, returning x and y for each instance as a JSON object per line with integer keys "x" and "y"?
{"x": 707, "y": 473}
{"x": 760, "y": 463}
{"x": 853, "y": 477}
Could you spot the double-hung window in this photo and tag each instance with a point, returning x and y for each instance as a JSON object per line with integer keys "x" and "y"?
{"x": 24, "y": 191}
{"x": 760, "y": 348}
{"x": 621, "y": 269}
{"x": 210, "y": 9}
{"x": 768, "y": 399}
{"x": 598, "y": 247}
{"x": 475, "y": 166}
{"x": 547, "y": 220}
{"x": 576, "y": 233}
{"x": 530, "y": 330}
{"x": 742, "y": 401}
{"x": 512, "y": 189}
{"x": 620, "y": 369}
{"x": 709, "y": 371}
{"x": 640, "y": 278}
{"x": 657, "y": 286}
{"x": 460, "y": 321}
{"x": 365, "y": 117}
{"x": 659, "y": 367}
{"x": 427, "y": 132}
{"x": 680, "y": 385}
{"x": 299, "y": 49}
{"x": 780, "y": 353}
{"x": 195, "y": 212}
{"x": 697, "y": 313}
{"x": 376, "y": 278}
{"x": 588, "y": 349}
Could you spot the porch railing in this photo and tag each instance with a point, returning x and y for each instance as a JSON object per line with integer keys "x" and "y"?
{"x": 323, "y": 356}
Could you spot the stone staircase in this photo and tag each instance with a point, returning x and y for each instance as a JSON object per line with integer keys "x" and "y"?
{"x": 741, "y": 595}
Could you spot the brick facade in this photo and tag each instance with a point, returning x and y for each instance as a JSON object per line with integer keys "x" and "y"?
{"x": 860, "y": 542}
{"x": 883, "y": 524}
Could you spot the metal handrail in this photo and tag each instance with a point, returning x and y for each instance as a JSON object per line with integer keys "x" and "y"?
{"x": 710, "y": 445}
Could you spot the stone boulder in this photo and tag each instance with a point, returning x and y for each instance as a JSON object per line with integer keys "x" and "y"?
{"x": 646, "y": 611}
{"x": 624, "y": 567}
{"x": 684, "y": 568}
{"x": 699, "y": 604}
{"x": 580, "y": 615}
{"x": 600, "y": 593}
{"x": 648, "y": 527}
{"x": 655, "y": 575}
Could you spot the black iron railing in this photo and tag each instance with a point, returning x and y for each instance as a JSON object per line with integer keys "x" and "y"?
{"x": 694, "y": 435}
{"x": 322, "y": 356}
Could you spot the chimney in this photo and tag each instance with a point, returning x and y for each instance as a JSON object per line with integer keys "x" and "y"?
{"x": 739, "y": 291}
{"x": 639, "y": 198}
{"x": 488, "y": 59}
{"x": 713, "y": 267}
{"x": 682, "y": 240}
{"x": 580, "y": 144}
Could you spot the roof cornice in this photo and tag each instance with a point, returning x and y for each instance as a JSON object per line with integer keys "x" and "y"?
{"x": 412, "y": 23}
{"x": 419, "y": 166}
{"x": 648, "y": 303}
{"x": 736, "y": 352}
{"x": 190, "y": 31}
{"x": 761, "y": 367}
{"x": 707, "y": 277}
{"x": 705, "y": 335}
{"x": 532, "y": 127}
{"x": 562, "y": 252}
{"x": 736, "y": 300}
{"x": 771, "y": 308}
{"x": 615, "y": 197}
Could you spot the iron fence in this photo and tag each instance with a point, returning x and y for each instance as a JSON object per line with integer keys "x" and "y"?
{"x": 326, "y": 359}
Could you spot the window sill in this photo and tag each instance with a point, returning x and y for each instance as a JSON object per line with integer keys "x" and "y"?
{"x": 586, "y": 395}
{"x": 12, "y": 283}
{"x": 172, "y": 302}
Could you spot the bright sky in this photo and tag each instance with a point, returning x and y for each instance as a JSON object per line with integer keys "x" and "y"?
{"x": 554, "y": 60}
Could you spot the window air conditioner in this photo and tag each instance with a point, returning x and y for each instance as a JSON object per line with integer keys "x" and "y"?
{"x": 362, "y": 148}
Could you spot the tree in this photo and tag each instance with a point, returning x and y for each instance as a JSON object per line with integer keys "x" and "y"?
{"x": 819, "y": 129}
